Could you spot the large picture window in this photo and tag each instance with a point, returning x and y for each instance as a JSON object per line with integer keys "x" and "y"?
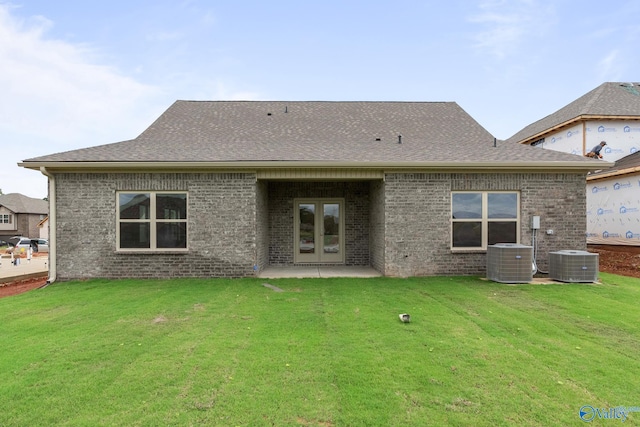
{"x": 479, "y": 219}
{"x": 152, "y": 220}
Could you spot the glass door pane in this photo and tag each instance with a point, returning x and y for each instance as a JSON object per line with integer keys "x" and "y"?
{"x": 319, "y": 231}
{"x": 331, "y": 239}
{"x": 307, "y": 232}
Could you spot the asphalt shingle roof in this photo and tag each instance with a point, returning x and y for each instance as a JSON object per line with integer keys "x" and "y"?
{"x": 623, "y": 165}
{"x": 18, "y": 203}
{"x": 611, "y": 99}
{"x": 280, "y": 131}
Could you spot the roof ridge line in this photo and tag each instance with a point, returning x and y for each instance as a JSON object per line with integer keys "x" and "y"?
{"x": 596, "y": 96}
{"x": 309, "y": 101}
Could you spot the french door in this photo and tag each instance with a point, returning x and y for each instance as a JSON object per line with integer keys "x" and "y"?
{"x": 319, "y": 230}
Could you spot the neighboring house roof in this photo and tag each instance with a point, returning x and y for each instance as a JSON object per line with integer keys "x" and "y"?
{"x": 19, "y": 204}
{"x": 610, "y": 100}
{"x": 322, "y": 134}
{"x": 626, "y": 165}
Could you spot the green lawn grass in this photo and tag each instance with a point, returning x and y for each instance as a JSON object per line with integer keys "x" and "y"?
{"x": 325, "y": 352}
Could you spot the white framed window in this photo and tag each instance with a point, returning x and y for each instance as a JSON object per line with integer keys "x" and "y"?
{"x": 6, "y": 219}
{"x": 482, "y": 218}
{"x": 151, "y": 220}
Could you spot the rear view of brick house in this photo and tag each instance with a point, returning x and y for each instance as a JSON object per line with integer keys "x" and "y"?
{"x": 229, "y": 188}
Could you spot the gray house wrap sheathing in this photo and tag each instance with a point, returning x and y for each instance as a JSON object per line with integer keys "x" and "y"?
{"x": 225, "y": 189}
{"x": 610, "y": 113}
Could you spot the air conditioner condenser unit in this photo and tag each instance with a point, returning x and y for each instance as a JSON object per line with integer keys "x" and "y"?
{"x": 510, "y": 263}
{"x": 573, "y": 266}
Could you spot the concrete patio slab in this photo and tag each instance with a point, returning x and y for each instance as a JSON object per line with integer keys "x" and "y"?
{"x": 318, "y": 272}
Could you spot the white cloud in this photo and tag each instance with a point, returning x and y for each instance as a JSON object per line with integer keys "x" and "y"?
{"x": 163, "y": 36}
{"x": 209, "y": 19}
{"x": 218, "y": 90}
{"x": 507, "y": 23}
{"x": 239, "y": 95}
{"x": 52, "y": 88}
{"x": 56, "y": 96}
{"x": 609, "y": 67}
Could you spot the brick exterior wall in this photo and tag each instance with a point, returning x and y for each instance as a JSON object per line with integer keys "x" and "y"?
{"x": 561, "y": 202}
{"x": 281, "y": 217}
{"x": 221, "y": 226}
{"x": 417, "y": 216}
{"x": 417, "y": 209}
{"x": 262, "y": 225}
{"x": 400, "y": 226}
{"x": 377, "y": 226}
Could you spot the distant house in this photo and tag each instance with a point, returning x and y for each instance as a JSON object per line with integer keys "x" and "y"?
{"x": 43, "y": 228}
{"x": 20, "y": 215}
{"x": 611, "y": 113}
{"x": 227, "y": 189}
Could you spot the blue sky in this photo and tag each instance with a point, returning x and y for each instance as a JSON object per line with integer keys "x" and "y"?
{"x": 75, "y": 74}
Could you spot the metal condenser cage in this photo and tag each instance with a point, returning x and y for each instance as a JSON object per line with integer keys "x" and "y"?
{"x": 510, "y": 263}
{"x": 573, "y": 266}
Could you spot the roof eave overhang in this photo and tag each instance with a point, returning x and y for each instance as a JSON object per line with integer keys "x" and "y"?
{"x": 587, "y": 165}
{"x": 619, "y": 172}
{"x": 584, "y": 117}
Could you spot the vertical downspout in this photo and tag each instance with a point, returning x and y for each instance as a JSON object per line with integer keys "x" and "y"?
{"x": 52, "y": 224}
{"x": 584, "y": 137}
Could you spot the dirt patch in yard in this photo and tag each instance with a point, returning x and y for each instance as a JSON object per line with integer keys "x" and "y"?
{"x": 622, "y": 260}
{"x": 20, "y": 286}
